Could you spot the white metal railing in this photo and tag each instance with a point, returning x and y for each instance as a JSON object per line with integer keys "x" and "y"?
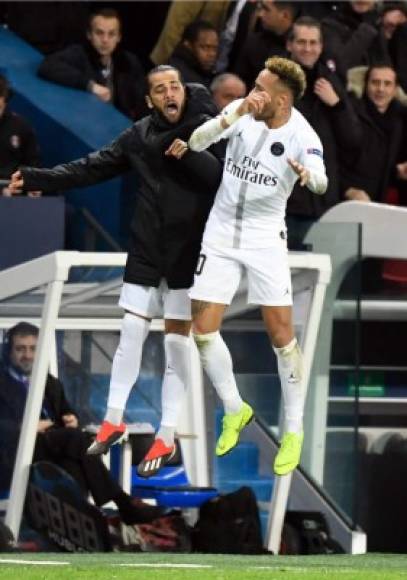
{"x": 52, "y": 271}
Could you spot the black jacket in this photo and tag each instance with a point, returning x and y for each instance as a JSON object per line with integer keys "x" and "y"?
{"x": 374, "y": 167}
{"x": 13, "y": 395}
{"x": 18, "y": 144}
{"x": 77, "y": 65}
{"x": 352, "y": 39}
{"x": 339, "y": 129}
{"x": 174, "y": 198}
{"x": 398, "y": 53}
{"x": 258, "y": 47}
{"x": 189, "y": 67}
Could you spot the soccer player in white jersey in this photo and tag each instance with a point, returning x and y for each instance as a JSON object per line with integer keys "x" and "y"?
{"x": 270, "y": 146}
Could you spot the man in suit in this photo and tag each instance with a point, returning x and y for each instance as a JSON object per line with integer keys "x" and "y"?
{"x": 59, "y": 438}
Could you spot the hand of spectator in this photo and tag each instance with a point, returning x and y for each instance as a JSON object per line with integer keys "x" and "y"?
{"x": 16, "y": 183}
{"x": 34, "y": 193}
{"x": 300, "y": 170}
{"x": 391, "y": 21}
{"x": 354, "y": 194}
{"x": 43, "y": 425}
{"x": 70, "y": 420}
{"x": 254, "y": 103}
{"x": 325, "y": 91}
{"x": 103, "y": 93}
{"x": 402, "y": 170}
{"x": 6, "y": 192}
{"x": 177, "y": 149}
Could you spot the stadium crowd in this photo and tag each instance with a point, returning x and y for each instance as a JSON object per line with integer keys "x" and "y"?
{"x": 354, "y": 55}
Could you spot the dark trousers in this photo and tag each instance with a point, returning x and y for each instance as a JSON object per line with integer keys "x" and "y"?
{"x": 67, "y": 448}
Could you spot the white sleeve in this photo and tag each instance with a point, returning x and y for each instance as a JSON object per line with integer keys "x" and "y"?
{"x": 212, "y": 131}
{"x": 312, "y": 158}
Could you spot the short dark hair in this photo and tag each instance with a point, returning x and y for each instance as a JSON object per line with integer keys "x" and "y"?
{"x": 381, "y": 64}
{"x": 160, "y": 69}
{"x": 305, "y": 21}
{"x": 4, "y": 88}
{"x": 106, "y": 13}
{"x": 291, "y": 7}
{"x": 20, "y": 329}
{"x": 191, "y": 32}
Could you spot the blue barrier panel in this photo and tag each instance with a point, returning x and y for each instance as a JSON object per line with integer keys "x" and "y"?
{"x": 29, "y": 228}
{"x": 69, "y": 124}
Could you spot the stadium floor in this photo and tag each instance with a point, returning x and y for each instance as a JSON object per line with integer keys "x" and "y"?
{"x": 200, "y": 567}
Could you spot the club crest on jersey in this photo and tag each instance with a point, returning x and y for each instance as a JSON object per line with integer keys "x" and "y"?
{"x": 312, "y": 151}
{"x": 277, "y": 148}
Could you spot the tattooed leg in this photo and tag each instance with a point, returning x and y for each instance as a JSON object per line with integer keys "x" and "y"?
{"x": 207, "y": 316}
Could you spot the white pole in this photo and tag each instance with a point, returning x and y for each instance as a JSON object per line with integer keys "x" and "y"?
{"x": 33, "y": 406}
{"x": 281, "y": 489}
{"x": 193, "y": 422}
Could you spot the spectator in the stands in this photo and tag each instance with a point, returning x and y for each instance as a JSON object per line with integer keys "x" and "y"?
{"x": 59, "y": 438}
{"x": 242, "y": 19}
{"x": 48, "y": 26}
{"x": 18, "y": 144}
{"x": 100, "y": 66}
{"x": 382, "y": 159}
{"x": 394, "y": 25}
{"x": 227, "y": 87}
{"x": 327, "y": 108}
{"x": 182, "y": 13}
{"x": 277, "y": 17}
{"x": 352, "y": 36}
{"x": 195, "y": 56}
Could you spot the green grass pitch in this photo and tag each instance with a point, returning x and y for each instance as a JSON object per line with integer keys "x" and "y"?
{"x": 142, "y": 566}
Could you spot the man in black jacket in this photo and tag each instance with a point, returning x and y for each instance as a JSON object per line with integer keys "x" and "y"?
{"x": 100, "y": 66}
{"x": 382, "y": 159}
{"x": 170, "y": 214}
{"x": 327, "y": 108}
{"x": 195, "y": 56}
{"x": 277, "y": 17}
{"x": 352, "y": 37}
{"x": 59, "y": 440}
{"x": 18, "y": 144}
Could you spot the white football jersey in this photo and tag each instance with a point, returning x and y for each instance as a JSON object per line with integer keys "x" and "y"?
{"x": 249, "y": 208}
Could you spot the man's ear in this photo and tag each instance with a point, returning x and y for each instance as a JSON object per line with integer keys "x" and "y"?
{"x": 149, "y": 102}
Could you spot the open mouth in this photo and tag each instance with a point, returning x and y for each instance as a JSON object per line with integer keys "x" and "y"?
{"x": 171, "y": 109}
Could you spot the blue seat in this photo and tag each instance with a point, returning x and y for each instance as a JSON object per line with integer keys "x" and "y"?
{"x": 170, "y": 487}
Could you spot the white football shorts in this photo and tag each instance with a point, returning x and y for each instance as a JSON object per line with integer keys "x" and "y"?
{"x": 158, "y": 302}
{"x": 219, "y": 272}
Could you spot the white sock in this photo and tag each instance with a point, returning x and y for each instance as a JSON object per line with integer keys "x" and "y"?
{"x": 177, "y": 378}
{"x": 114, "y": 416}
{"x": 217, "y": 363}
{"x": 126, "y": 364}
{"x": 289, "y": 362}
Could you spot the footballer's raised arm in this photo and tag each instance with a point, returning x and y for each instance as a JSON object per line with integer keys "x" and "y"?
{"x": 216, "y": 129}
{"x": 222, "y": 126}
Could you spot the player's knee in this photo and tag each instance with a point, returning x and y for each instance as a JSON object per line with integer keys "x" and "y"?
{"x": 282, "y": 333}
{"x": 178, "y": 327}
{"x": 204, "y": 340}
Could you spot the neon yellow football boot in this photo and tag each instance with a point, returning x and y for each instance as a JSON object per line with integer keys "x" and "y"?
{"x": 232, "y": 425}
{"x": 288, "y": 456}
